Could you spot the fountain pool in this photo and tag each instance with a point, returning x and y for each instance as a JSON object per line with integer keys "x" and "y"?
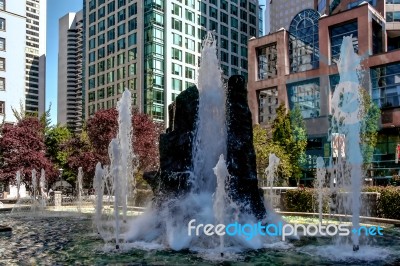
{"x": 72, "y": 241}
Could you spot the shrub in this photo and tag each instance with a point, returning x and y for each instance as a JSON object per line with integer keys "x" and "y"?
{"x": 305, "y": 200}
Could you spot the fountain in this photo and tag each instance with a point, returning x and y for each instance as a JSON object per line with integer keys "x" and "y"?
{"x": 79, "y": 188}
{"x": 346, "y": 117}
{"x": 207, "y": 174}
{"x": 320, "y": 176}
{"x": 270, "y": 173}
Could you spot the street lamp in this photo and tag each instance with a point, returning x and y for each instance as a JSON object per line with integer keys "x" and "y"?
{"x": 61, "y": 171}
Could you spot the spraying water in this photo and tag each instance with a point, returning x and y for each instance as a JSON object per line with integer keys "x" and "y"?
{"x": 34, "y": 184}
{"x": 270, "y": 173}
{"x": 220, "y": 197}
{"x": 18, "y": 180}
{"x": 42, "y": 186}
{"x": 211, "y": 137}
{"x": 321, "y": 172}
{"x": 79, "y": 188}
{"x": 120, "y": 173}
{"x": 346, "y": 110}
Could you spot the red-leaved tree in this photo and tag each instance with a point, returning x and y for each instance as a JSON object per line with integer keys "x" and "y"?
{"x": 81, "y": 154}
{"x": 22, "y": 148}
{"x": 103, "y": 126}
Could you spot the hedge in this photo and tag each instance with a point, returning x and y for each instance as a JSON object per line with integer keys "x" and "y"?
{"x": 306, "y": 200}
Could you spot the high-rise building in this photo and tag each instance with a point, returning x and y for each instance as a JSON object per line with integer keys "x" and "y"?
{"x": 282, "y": 12}
{"x": 12, "y": 58}
{"x": 298, "y": 66}
{"x": 35, "y": 53}
{"x": 70, "y": 52}
{"x": 153, "y": 48}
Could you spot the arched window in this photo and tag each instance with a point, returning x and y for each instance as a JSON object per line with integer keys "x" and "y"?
{"x": 303, "y": 41}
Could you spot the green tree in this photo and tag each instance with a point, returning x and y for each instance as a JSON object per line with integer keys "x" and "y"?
{"x": 287, "y": 139}
{"x": 369, "y": 126}
{"x": 264, "y": 146}
{"x": 55, "y": 138}
{"x": 298, "y": 142}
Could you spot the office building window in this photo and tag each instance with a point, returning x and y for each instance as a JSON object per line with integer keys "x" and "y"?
{"x": 267, "y": 105}
{"x": 267, "y": 61}
{"x": 2, "y": 24}
{"x": 336, "y": 35}
{"x": 2, "y": 64}
{"x": 176, "y": 69}
{"x": 2, "y": 84}
{"x": 306, "y": 95}
{"x": 393, "y": 16}
{"x": 385, "y": 82}
{"x": 176, "y": 54}
{"x": 2, "y": 107}
{"x": 2, "y": 44}
{"x": 303, "y": 44}
{"x": 2, "y": 4}
{"x": 176, "y": 84}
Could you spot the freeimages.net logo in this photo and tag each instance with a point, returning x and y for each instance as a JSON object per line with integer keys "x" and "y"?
{"x": 249, "y": 231}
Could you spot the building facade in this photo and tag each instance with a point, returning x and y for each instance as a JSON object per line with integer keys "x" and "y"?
{"x": 35, "y": 55}
{"x": 70, "y": 53}
{"x": 12, "y": 58}
{"x": 282, "y": 12}
{"x": 298, "y": 67}
{"x": 153, "y": 48}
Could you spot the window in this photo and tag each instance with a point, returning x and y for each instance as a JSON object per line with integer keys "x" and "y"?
{"x": 111, "y": 21}
{"x": 2, "y": 24}
{"x": 101, "y": 39}
{"x": 176, "y": 54}
{"x": 336, "y": 35}
{"x": 304, "y": 43}
{"x": 121, "y": 30}
{"x": 111, "y": 7}
{"x": 176, "y": 69}
{"x": 2, "y": 107}
{"x": 177, "y": 39}
{"x": 190, "y": 30}
{"x": 385, "y": 82}
{"x": 102, "y": 25}
{"x": 2, "y": 4}
{"x": 306, "y": 95}
{"x": 176, "y": 24}
{"x": 190, "y": 59}
{"x": 2, "y": 84}
{"x": 393, "y": 16}
{"x": 190, "y": 44}
{"x": 392, "y": 1}
{"x": 267, "y": 105}
{"x": 2, "y": 64}
{"x": 190, "y": 73}
{"x": 176, "y": 84}
{"x": 132, "y": 39}
{"x": 213, "y": 12}
{"x": 176, "y": 10}
{"x": 189, "y": 15}
{"x": 132, "y": 24}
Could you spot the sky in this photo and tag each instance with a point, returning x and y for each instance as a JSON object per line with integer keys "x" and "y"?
{"x": 55, "y": 10}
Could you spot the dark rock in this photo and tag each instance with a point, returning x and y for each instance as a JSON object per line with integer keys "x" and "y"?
{"x": 4, "y": 229}
{"x": 241, "y": 157}
{"x": 176, "y": 147}
{"x": 171, "y": 180}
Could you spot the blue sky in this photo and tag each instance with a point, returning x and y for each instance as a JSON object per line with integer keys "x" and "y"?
{"x": 55, "y": 10}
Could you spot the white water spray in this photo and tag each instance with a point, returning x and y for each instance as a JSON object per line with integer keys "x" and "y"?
{"x": 321, "y": 172}
{"x": 270, "y": 173}
{"x": 346, "y": 107}
{"x": 220, "y": 196}
{"x": 79, "y": 188}
{"x": 211, "y": 136}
